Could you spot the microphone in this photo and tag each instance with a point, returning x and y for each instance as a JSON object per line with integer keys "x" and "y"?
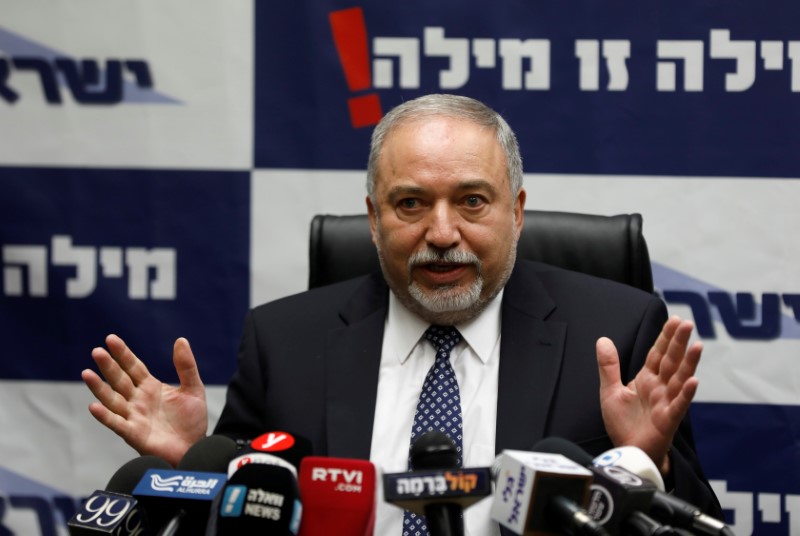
{"x": 210, "y": 454}
{"x": 114, "y": 510}
{"x": 284, "y": 445}
{"x": 338, "y": 496}
{"x": 542, "y": 493}
{"x": 663, "y": 506}
{"x": 274, "y": 448}
{"x": 259, "y": 457}
{"x": 618, "y": 498}
{"x": 260, "y": 499}
{"x": 634, "y": 460}
{"x": 183, "y": 497}
{"x": 669, "y": 508}
{"x": 436, "y": 487}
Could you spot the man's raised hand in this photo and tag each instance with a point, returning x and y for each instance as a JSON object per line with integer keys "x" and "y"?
{"x": 152, "y": 417}
{"x": 646, "y": 412}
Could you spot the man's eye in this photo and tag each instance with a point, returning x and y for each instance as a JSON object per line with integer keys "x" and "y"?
{"x": 474, "y": 201}
{"x": 409, "y": 203}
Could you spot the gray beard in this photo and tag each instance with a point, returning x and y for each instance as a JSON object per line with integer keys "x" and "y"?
{"x": 446, "y": 298}
{"x": 447, "y": 305}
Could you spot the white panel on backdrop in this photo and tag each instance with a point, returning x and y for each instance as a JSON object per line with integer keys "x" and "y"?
{"x": 736, "y": 235}
{"x": 283, "y": 204}
{"x": 51, "y": 438}
{"x": 737, "y": 230}
{"x": 174, "y": 86}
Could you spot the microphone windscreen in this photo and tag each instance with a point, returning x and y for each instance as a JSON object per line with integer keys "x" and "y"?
{"x": 211, "y": 454}
{"x": 338, "y": 496}
{"x": 617, "y": 497}
{"x": 527, "y": 483}
{"x": 634, "y": 460}
{"x": 291, "y": 448}
{"x": 434, "y": 450}
{"x": 128, "y": 476}
{"x": 260, "y": 499}
{"x": 568, "y": 449}
{"x": 259, "y": 457}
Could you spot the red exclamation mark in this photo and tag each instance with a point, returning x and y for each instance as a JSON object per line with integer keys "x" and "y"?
{"x": 350, "y": 36}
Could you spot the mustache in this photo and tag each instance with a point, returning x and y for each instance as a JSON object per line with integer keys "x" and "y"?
{"x": 450, "y": 256}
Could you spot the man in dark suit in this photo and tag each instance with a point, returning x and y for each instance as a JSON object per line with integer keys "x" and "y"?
{"x": 343, "y": 365}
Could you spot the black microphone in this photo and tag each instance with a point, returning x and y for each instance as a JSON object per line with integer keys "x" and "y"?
{"x": 436, "y": 487}
{"x": 292, "y": 448}
{"x": 114, "y": 510}
{"x": 260, "y": 499}
{"x": 663, "y": 507}
{"x": 682, "y": 514}
{"x": 276, "y": 448}
{"x": 542, "y": 493}
{"x": 182, "y": 498}
{"x": 212, "y": 453}
{"x": 618, "y": 498}
{"x": 272, "y": 448}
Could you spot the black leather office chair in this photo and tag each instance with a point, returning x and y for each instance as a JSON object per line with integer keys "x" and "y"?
{"x": 612, "y": 247}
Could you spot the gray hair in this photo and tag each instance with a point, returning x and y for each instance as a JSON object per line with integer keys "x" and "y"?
{"x": 448, "y": 106}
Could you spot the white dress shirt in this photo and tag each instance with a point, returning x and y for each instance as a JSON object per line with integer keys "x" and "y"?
{"x": 406, "y": 357}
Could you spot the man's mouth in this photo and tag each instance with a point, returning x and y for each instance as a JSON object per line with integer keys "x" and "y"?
{"x": 442, "y": 267}
{"x": 442, "y": 273}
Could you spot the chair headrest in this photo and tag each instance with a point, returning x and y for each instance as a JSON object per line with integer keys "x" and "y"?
{"x": 612, "y": 247}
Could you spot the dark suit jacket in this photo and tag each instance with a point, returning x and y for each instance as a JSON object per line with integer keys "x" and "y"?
{"x": 308, "y": 365}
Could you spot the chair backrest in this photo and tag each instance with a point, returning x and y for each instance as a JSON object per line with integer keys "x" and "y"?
{"x": 612, "y": 247}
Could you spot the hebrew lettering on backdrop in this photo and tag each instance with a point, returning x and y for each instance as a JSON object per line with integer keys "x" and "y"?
{"x": 41, "y": 508}
{"x": 615, "y": 53}
{"x": 83, "y": 79}
{"x": 139, "y": 262}
{"x": 485, "y": 53}
{"x": 8, "y": 94}
{"x": 151, "y": 272}
{"x": 741, "y": 316}
{"x": 525, "y": 63}
{"x": 47, "y": 76}
{"x": 86, "y": 81}
{"x": 742, "y": 52}
{"x": 456, "y": 49}
{"x": 794, "y": 55}
{"x": 406, "y": 52}
{"x": 690, "y": 53}
{"x": 745, "y": 505}
{"x": 19, "y": 261}
{"x": 514, "y": 53}
{"x": 83, "y": 258}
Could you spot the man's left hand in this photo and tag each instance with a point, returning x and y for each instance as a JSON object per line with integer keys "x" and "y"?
{"x": 646, "y": 412}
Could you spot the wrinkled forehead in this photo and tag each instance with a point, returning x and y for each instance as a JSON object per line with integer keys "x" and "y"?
{"x": 440, "y": 136}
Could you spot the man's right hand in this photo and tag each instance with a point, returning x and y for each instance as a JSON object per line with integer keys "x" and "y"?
{"x": 152, "y": 417}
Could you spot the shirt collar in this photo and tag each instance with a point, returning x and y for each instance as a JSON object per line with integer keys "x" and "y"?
{"x": 404, "y": 329}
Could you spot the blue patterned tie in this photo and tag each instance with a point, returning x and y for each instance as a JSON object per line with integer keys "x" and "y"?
{"x": 439, "y": 407}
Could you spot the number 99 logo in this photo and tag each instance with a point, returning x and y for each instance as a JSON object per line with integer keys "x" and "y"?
{"x": 104, "y": 510}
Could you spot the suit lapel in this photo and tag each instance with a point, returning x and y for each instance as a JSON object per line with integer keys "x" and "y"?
{"x": 531, "y": 350}
{"x": 352, "y": 361}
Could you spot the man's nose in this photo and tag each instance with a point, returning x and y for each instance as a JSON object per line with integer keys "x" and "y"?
{"x": 443, "y": 227}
